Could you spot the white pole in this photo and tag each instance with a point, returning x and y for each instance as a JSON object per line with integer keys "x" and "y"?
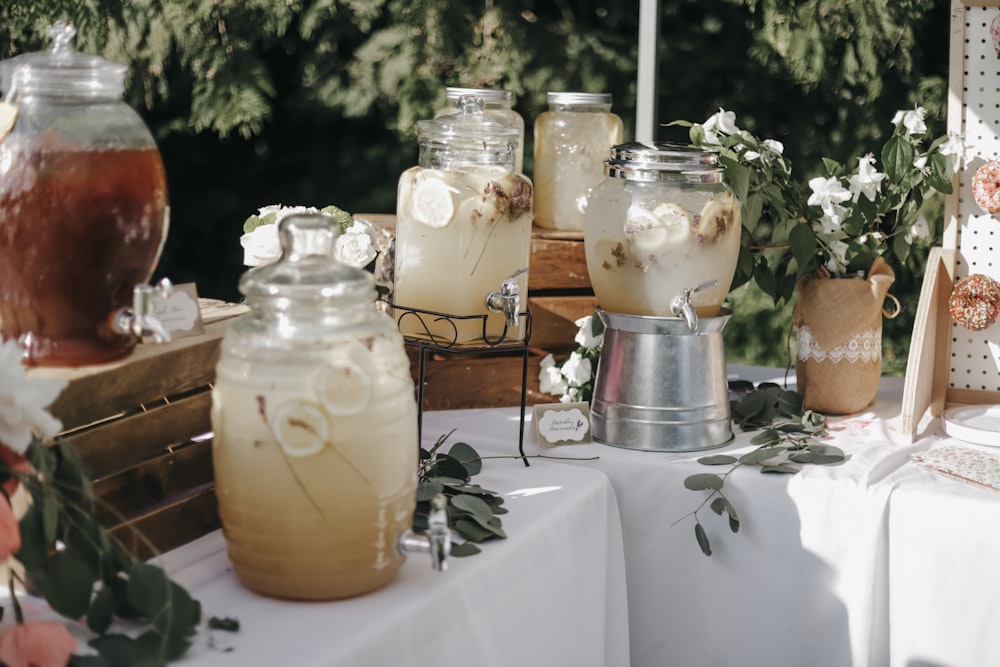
{"x": 645, "y": 98}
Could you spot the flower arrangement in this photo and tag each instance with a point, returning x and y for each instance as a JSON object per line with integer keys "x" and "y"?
{"x": 841, "y": 219}
{"x": 360, "y": 244}
{"x": 85, "y": 575}
{"x": 572, "y": 379}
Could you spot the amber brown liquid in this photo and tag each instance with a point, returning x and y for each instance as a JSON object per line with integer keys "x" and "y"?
{"x": 79, "y": 229}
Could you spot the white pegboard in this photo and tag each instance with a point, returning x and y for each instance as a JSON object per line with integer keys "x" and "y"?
{"x": 974, "y": 356}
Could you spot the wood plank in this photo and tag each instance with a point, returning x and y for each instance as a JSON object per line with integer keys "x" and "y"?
{"x": 149, "y": 374}
{"x": 170, "y": 526}
{"x": 557, "y": 264}
{"x": 134, "y": 492}
{"x": 472, "y": 381}
{"x": 126, "y": 442}
{"x": 553, "y": 320}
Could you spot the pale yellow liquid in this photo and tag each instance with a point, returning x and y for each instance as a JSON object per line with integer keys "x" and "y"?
{"x": 634, "y": 281}
{"x": 324, "y": 526}
{"x": 452, "y": 269}
{"x": 570, "y": 149}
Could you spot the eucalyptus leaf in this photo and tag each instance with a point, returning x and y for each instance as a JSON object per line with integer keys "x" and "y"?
{"x": 702, "y": 538}
{"x": 472, "y": 530}
{"x": 717, "y": 460}
{"x": 781, "y": 468}
{"x": 463, "y": 549}
{"x": 703, "y": 482}
{"x": 101, "y": 611}
{"x": 33, "y": 552}
{"x": 761, "y": 455}
{"x": 429, "y": 489}
{"x": 447, "y": 466}
{"x": 468, "y": 456}
{"x": 68, "y": 585}
{"x": 473, "y": 505}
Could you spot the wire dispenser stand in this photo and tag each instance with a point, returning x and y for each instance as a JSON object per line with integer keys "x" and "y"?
{"x": 439, "y": 333}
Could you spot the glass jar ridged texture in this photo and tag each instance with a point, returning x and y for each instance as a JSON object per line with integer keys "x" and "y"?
{"x": 660, "y": 222}
{"x": 498, "y": 105}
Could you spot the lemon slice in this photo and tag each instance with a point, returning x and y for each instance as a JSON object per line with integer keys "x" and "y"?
{"x": 8, "y": 116}
{"x": 300, "y": 428}
{"x": 713, "y": 221}
{"x": 653, "y": 230}
{"x": 345, "y": 384}
{"x": 675, "y": 219}
{"x": 431, "y": 202}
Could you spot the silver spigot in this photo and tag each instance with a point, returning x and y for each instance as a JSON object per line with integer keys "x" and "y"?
{"x": 140, "y": 320}
{"x": 681, "y": 305}
{"x": 508, "y": 298}
{"x": 436, "y": 541}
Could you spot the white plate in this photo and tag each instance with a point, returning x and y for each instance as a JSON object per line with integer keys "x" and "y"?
{"x": 978, "y": 424}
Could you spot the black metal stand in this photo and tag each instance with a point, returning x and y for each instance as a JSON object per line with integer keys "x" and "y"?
{"x": 422, "y": 320}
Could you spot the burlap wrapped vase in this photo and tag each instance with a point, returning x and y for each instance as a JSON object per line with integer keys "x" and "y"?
{"x": 838, "y": 324}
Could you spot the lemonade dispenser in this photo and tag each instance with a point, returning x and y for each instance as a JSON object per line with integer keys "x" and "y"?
{"x": 463, "y": 232}
{"x": 662, "y": 237}
{"x": 315, "y": 429}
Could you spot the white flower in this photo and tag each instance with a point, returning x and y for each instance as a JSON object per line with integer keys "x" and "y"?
{"x": 356, "y": 246}
{"x": 550, "y": 378}
{"x": 261, "y": 246}
{"x": 912, "y": 120}
{"x": 920, "y": 162}
{"x": 955, "y": 145}
{"x": 585, "y": 337}
{"x": 572, "y": 395}
{"x": 830, "y": 222}
{"x": 774, "y": 146}
{"x": 868, "y": 179}
{"x": 838, "y": 257}
{"x": 577, "y": 370}
{"x": 828, "y": 194}
{"x": 918, "y": 230}
{"x": 23, "y": 402}
{"x": 722, "y": 122}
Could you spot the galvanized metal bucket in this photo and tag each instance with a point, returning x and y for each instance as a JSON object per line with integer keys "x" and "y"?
{"x": 661, "y": 384}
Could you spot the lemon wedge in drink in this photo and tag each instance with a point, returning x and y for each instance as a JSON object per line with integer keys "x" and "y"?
{"x": 653, "y": 230}
{"x": 431, "y": 202}
{"x": 714, "y": 220}
{"x": 344, "y": 385}
{"x": 300, "y": 427}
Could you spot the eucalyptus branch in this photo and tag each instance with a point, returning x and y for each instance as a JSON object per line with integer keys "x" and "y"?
{"x": 789, "y": 438}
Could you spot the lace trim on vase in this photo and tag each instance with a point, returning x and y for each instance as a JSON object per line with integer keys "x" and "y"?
{"x": 866, "y": 347}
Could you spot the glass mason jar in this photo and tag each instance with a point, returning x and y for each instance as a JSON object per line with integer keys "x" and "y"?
{"x": 83, "y": 206}
{"x": 572, "y": 140}
{"x": 498, "y": 105}
{"x": 463, "y": 230}
{"x": 315, "y": 423}
{"x": 660, "y": 222}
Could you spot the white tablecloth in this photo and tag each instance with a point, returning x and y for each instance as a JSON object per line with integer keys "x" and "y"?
{"x": 553, "y": 593}
{"x": 870, "y": 563}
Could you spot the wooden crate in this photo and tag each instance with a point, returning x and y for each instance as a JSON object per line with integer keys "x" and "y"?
{"x": 139, "y": 426}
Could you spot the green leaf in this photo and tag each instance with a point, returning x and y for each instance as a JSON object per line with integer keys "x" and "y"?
{"x": 68, "y": 585}
{"x": 226, "y": 624}
{"x": 147, "y": 589}
{"x": 101, "y": 611}
{"x": 473, "y": 531}
{"x": 468, "y": 456}
{"x": 803, "y": 241}
{"x": 473, "y": 505}
{"x": 898, "y": 156}
{"x": 703, "y": 544}
{"x": 33, "y": 550}
{"x": 447, "y": 466}
{"x": 464, "y": 549}
{"x": 703, "y": 481}
{"x": 761, "y": 455}
{"x": 734, "y": 523}
{"x": 781, "y": 468}
{"x": 737, "y": 177}
{"x": 717, "y": 460}
{"x": 767, "y": 436}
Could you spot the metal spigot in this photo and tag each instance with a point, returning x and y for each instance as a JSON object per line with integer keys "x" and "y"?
{"x": 508, "y": 298}
{"x": 139, "y": 320}
{"x": 436, "y": 541}
{"x": 681, "y": 305}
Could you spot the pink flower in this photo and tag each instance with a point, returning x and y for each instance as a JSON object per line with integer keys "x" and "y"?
{"x": 36, "y": 644}
{"x": 10, "y": 534}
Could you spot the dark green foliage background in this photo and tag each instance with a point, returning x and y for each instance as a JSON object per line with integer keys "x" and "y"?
{"x": 312, "y": 102}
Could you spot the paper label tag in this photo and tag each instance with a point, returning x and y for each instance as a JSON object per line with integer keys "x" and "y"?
{"x": 562, "y": 424}
{"x": 179, "y": 313}
{"x": 8, "y": 116}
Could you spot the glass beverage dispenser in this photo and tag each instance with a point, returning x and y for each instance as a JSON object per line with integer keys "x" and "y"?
{"x": 463, "y": 232}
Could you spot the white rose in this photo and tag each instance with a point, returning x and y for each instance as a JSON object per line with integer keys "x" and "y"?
{"x": 577, "y": 369}
{"x": 550, "y": 378}
{"x": 23, "y": 402}
{"x": 355, "y": 248}
{"x": 261, "y": 246}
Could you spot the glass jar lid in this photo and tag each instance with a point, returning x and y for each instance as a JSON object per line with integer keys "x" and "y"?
{"x": 489, "y": 95}
{"x": 660, "y": 161}
{"x": 468, "y": 127}
{"x": 61, "y": 70}
{"x": 306, "y": 271}
{"x": 579, "y": 98}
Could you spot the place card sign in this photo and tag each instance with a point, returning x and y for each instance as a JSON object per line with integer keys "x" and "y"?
{"x": 179, "y": 312}
{"x": 562, "y": 424}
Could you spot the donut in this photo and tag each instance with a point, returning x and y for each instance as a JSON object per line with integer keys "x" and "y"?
{"x": 986, "y": 187}
{"x": 975, "y": 302}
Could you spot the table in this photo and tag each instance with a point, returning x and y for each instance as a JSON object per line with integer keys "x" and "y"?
{"x": 833, "y": 566}
{"x": 519, "y": 602}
